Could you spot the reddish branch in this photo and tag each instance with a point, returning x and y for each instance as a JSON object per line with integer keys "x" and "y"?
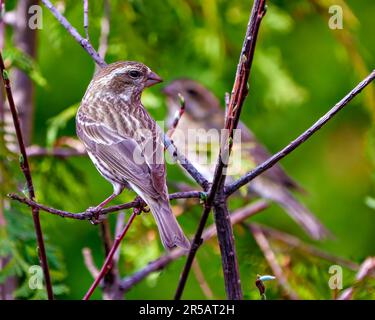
{"x": 24, "y": 164}
{"x": 216, "y": 195}
{"x": 108, "y": 261}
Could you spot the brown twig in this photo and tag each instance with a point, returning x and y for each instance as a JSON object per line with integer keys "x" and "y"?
{"x": 37, "y": 151}
{"x": 177, "y": 117}
{"x": 201, "y": 280}
{"x": 160, "y": 263}
{"x": 216, "y": 195}
{"x": 301, "y": 138}
{"x": 86, "y": 18}
{"x": 104, "y": 30}
{"x": 74, "y": 33}
{"x": 108, "y": 261}
{"x": 366, "y": 269}
{"x": 268, "y": 253}
{"x": 294, "y": 242}
{"x": 24, "y": 164}
{"x": 89, "y": 262}
{"x": 89, "y": 215}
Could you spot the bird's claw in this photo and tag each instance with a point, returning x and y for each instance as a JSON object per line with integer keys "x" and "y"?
{"x": 95, "y": 214}
{"x": 142, "y": 207}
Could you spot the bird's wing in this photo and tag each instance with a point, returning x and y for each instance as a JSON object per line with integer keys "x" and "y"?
{"x": 123, "y": 155}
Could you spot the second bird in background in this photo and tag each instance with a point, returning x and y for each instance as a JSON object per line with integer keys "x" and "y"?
{"x": 203, "y": 111}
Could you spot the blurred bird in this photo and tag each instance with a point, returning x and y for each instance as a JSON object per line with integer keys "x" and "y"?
{"x": 124, "y": 142}
{"x": 203, "y": 111}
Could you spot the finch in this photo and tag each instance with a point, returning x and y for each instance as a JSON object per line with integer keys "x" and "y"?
{"x": 203, "y": 111}
{"x": 125, "y": 143}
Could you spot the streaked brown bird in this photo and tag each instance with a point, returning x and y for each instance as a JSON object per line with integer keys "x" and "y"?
{"x": 203, "y": 111}
{"x": 125, "y": 143}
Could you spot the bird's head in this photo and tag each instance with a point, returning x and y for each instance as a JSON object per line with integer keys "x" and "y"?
{"x": 200, "y": 103}
{"x": 125, "y": 78}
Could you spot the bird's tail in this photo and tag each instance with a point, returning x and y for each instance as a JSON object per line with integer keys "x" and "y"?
{"x": 293, "y": 207}
{"x": 170, "y": 231}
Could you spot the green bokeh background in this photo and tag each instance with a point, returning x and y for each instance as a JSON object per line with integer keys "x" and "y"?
{"x": 301, "y": 69}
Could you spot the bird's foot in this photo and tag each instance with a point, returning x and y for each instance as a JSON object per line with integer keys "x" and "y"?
{"x": 142, "y": 207}
{"x": 95, "y": 214}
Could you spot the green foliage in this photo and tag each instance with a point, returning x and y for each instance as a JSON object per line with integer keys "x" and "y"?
{"x": 301, "y": 68}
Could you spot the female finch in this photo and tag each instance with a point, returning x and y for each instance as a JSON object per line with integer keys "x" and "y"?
{"x": 124, "y": 142}
{"x": 203, "y": 111}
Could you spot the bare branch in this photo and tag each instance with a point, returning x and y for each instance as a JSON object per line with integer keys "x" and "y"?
{"x": 201, "y": 280}
{"x": 272, "y": 261}
{"x": 367, "y": 268}
{"x": 108, "y": 261}
{"x": 294, "y": 242}
{"x": 178, "y": 117}
{"x": 300, "y": 139}
{"x": 160, "y": 263}
{"x": 89, "y": 215}
{"x": 74, "y": 33}
{"x": 89, "y": 262}
{"x": 86, "y": 18}
{"x": 104, "y": 30}
{"x": 24, "y": 164}
{"x": 216, "y": 194}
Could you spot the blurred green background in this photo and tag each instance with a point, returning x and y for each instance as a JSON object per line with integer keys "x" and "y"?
{"x": 301, "y": 69}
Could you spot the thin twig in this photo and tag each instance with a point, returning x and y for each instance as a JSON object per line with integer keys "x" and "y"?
{"x": 160, "y": 263}
{"x": 301, "y": 138}
{"x": 24, "y": 164}
{"x": 177, "y": 117}
{"x": 294, "y": 242}
{"x": 366, "y": 269}
{"x": 104, "y": 30}
{"x": 216, "y": 194}
{"x": 89, "y": 262}
{"x": 37, "y": 151}
{"x": 86, "y": 18}
{"x": 268, "y": 253}
{"x": 108, "y": 261}
{"x": 201, "y": 280}
{"x": 74, "y": 33}
{"x": 89, "y": 215}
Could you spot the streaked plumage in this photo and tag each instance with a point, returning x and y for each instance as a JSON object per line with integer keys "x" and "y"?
{"x": 202, "y": 110}
{"x": 125, "y": 143}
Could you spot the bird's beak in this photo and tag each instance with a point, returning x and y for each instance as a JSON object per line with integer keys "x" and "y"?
{"x": 152, "y": 79}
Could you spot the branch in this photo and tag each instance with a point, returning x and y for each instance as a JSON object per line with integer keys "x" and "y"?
{"x": 294, "y": 242}
{"x": 24, "y": 164}
{"x": 216, "y": 194}
{"x": 302, "y": 138}
{"x": 89, "y": 262}
{"x": 104, "y": 30}
{"x": 89, "y": 215}
{"x": 365, "y": 270}
{"x": 265, "y": 247}
{"x": 177, "y": 117}
{"x": 160, "y": 263}
{"x": 37, "y": 151}
{"x": 108, "y": 261}
{"x": 74, "y": 33}
{"x": 86, "y": 18}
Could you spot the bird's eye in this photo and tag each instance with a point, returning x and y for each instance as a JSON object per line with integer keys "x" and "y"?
{"x": 192, "y": 92}
{"x": 134, "y": 74}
